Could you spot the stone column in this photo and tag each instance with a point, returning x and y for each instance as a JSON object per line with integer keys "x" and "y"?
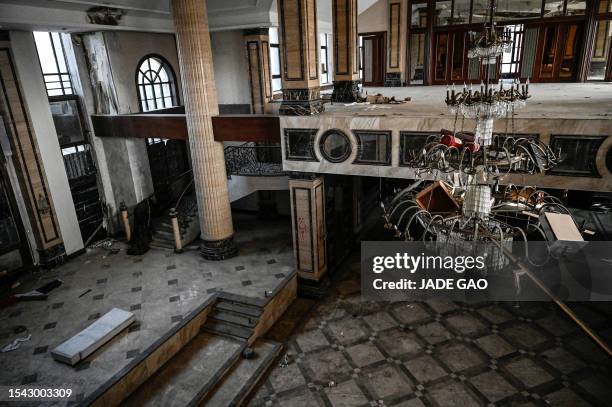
{"x": 309, "y": 231}
{"x": 299, "y": 42}
{"x": 346, "y": 63}
{"x": 200, "y": 96}
{"x": 258, "y": 54}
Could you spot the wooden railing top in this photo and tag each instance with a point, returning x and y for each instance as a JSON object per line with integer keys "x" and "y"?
{"x": 166, "y": 125}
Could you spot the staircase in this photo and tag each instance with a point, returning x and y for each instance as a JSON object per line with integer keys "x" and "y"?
{"x": 218, "y": 367}
{"x": 233, "y": 317}
{"x": 163, "y": 235}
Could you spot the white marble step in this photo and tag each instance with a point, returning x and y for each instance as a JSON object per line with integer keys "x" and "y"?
{"x": 241, "y": 379}
{"x": 190, "y": 375}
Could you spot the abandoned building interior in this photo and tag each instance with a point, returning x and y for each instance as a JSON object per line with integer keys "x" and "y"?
{"x": 186, "y": 185}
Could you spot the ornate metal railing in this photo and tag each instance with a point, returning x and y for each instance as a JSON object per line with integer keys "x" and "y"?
{"x": 250, "y": 159}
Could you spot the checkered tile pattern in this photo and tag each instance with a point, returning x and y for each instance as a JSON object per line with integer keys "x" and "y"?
{"x": 160, "y": 288}
{"x": 438, "y": 353}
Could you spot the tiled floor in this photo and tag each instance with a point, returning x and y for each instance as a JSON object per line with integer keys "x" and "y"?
{"x": 160, "y": 288}
{"x": 349, "y": 353}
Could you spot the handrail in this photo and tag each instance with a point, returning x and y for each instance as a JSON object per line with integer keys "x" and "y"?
{"x": 250, "y": 159}
{"x": 178, "y": 201}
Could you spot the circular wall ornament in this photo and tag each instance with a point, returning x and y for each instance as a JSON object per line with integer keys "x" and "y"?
{"x": 335, "y": 146}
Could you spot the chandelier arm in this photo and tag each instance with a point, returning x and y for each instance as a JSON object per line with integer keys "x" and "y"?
{"x": 399, "y": 221}
{"x": 429, "y": 224}
{"x": 406, "y": 231}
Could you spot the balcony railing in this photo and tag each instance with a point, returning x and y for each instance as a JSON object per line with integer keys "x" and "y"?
{"x": 250, "y": 159}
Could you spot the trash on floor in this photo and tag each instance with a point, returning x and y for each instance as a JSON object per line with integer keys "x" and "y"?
{"x": 85, "y": 292}
{"x": 15, "y": 344}
{"x": 380, "y": 99}
{"x": 33, "y": 295}
{"x": 41, "y": 293}
{"x": 50, "y": 286}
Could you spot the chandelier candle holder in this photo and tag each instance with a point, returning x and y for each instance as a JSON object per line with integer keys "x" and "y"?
{"x": 487, "y": 102}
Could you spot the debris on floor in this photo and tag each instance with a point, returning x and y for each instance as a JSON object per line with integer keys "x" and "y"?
{"x": 380, "y": 99}
{"x": 50, "y": 286}
{"x": 33, "y": 295}
{"x": 85, "y": 292}
{"x": 15, "y": 344}
{"x": 284, "y": 362}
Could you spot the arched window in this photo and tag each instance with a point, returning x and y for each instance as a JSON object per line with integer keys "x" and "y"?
{"x": 156, "y": 84}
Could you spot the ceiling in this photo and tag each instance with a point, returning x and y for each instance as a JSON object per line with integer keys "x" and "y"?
{"x": 143, "y": 15}
{"x": 139, "y": 15}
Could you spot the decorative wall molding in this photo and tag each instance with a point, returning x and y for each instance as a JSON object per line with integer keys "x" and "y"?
{"x": 304, "y": 136}
{"x": 395, "y": 24}
{"x": 361, "y": 158}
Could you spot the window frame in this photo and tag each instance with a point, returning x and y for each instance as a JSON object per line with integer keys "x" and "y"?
{"x": 172, "y": 83}
{"x": 65, "y": 90}
{"x": 280, "y": 67}
{"x": 326, "y": 48}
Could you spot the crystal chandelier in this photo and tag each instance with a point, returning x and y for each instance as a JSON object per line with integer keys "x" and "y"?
{"x": 490, "y": 43}
{"x": 474, "y": 207}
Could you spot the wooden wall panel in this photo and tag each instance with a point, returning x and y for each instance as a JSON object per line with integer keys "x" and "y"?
{"x": 292, "y": 39}
{"x": 27, "y": 159}
{"x": 395, "y": 19}
{"x": 308, "y": 220}
{"x": 312, "y": 39}
{"x": 255, "y": 77}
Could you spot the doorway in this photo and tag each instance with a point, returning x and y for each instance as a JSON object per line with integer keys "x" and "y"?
{"x": 170, "y": 169}
{"x": 373, "y": 61}
{"x": 14, "y": 249}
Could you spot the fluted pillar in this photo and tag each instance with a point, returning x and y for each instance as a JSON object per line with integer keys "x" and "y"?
{"x": 346, "y": 63}
{"x": 200, "y": 96}
{"x": 258, "y": 55}
{"x": 299, "y": 41}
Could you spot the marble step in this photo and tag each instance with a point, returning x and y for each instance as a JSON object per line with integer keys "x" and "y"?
{"x": 239, "y": 308}
{"x": 167, "y": 229}
{"x": 227, "y": 329}
{"x": 234, "y": 318}
{"x": 190, "y": 375}
{"x": 165, "y": 235}
{"x": 240, "y": 380}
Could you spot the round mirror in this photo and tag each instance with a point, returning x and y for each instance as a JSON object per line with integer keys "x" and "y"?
{"x": 335, "y": 146}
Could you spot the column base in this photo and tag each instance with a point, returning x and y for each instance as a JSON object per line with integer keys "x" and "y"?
{"x": 345, "y": 91}
{"x": 301, "y": 102}
{"x": 393, "y": 79}
{"x": 219, "y": 249}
